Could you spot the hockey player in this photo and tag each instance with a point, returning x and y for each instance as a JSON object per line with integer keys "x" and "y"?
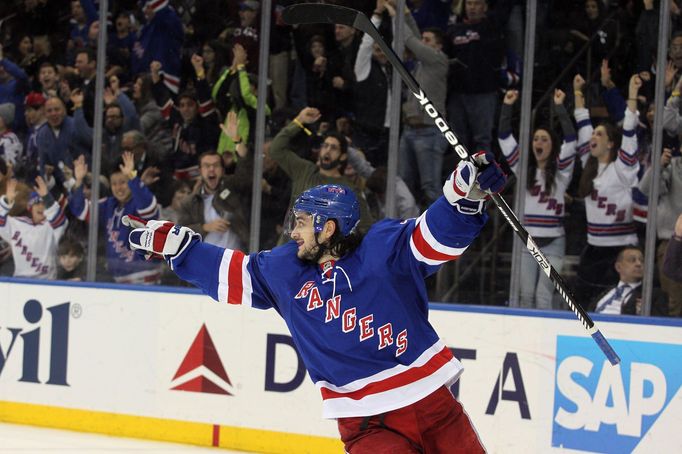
{"x": 356, "y": 307}
{"x": 33, "y": 237}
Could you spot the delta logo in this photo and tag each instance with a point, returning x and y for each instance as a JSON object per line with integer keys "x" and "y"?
{"x": 202, "y": 370}
{"x": 626, "y": 408}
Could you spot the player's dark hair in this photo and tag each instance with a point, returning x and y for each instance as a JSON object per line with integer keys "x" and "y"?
{"x": 340, "y": 246}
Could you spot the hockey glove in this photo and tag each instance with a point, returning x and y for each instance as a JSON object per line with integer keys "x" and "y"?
{"x": 469, "y": 186}
{"x": 159, "y": 239}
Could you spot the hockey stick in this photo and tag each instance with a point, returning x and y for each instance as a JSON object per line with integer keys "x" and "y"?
{"x": 315, "y": 13}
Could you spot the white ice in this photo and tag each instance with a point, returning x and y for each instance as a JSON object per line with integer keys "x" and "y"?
{"x": 19, "y": 439}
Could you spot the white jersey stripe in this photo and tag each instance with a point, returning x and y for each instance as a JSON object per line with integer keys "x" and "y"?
{"x": 392, "y": 399}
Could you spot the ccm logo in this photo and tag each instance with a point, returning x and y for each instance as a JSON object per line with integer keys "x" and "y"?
{"x": 441, "y": 124}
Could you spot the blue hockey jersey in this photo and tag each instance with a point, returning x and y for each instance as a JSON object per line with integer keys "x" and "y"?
{"x": 360, "y": 323}
{"x": 122, "y": 263}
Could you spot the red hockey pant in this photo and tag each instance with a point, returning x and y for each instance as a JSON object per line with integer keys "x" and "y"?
{"x": 435, "y": 424}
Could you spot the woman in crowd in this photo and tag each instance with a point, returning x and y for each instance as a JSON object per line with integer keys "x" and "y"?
{"x": 609, "y": 174}
{"x": 550, "y": 167}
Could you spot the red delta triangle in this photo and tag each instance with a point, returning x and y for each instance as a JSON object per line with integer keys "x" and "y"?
{"x": 202, "y": 352}
{"x": 201, "y": 384}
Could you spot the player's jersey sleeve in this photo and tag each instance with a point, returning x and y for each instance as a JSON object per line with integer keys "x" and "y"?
{"x": 225, "y": 275}
{"x": 439, "y": 235}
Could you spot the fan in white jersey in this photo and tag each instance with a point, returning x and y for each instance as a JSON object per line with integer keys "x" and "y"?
{"x": 609, "y": 174}
{"x": 33, "y": 237}
{"x": 550, "y": 166}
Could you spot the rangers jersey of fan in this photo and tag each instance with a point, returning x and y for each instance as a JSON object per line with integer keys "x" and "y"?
{"x": 543, "y": 214}
{"x": 609, "y": 207}
{"x": 122, "y": 263}
{"x": 360, "y": 323}
{"x": 34, "y": 246}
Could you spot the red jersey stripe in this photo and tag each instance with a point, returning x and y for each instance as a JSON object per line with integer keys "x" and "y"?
{"x": 426, "y": 249}
{"x": 234, "y": 278}
{"x": 404, "y": 378}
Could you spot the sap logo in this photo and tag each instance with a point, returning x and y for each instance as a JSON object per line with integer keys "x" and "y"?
{"x": 600, "y": 407}
{"x": 202, "y": 370}
{"x": 30, "y": 341}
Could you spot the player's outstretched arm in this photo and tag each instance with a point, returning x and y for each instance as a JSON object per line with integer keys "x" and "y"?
{"x": 221, "y": 273}
{"x": 181, "y": 247}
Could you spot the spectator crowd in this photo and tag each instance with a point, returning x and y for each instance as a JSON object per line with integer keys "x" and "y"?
{"x": 178, "y": 133}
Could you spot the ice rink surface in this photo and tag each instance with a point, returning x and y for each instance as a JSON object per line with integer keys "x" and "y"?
{"x": 21, "y": 439}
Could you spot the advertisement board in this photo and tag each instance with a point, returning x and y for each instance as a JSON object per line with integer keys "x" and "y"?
{"x": 178, "y": 366}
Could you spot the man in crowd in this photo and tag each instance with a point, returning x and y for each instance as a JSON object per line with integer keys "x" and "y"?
{"x": 86, "y": 65}
{"x": 626, "y": 296}
{"x": 11, "y": 148}
{"x": 478, "y": 47}
{"x": 422, "y": 145}
{"x": 329, "y": 167}
{"x": 160, "y": 40}
{"x": 48, "y": 79}
{"x": 13, "y": 87}
{"x": 34, "y": 111}
{"x": 213, "y": 210}
{"x": 155, "y": 172}
{"x": 60, "y": 141}
{"x": 371, "y": 98}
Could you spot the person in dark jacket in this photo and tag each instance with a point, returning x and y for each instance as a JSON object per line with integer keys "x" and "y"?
{"x": 478, "y": 47}
{"x": 160, "y": 40}
{"x": 214, "y": 210}
{"x": 193, "y": 122}
{"x": 672, "y": 263}
{"x": 626, "y": 296}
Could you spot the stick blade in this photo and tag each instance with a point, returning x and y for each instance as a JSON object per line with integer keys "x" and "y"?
{"x": 610, "y": 353}
{"x": 318, "y": 13}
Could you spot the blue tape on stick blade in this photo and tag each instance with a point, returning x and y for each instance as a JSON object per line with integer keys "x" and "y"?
{"x": 610, "y": 353}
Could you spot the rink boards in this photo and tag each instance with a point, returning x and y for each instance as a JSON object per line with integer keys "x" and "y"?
{"x": 178, "y": 366}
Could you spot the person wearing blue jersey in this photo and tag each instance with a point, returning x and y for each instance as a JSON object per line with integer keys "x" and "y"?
{"x": 356, "y": 306}
{"x": 129, "y": 195}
